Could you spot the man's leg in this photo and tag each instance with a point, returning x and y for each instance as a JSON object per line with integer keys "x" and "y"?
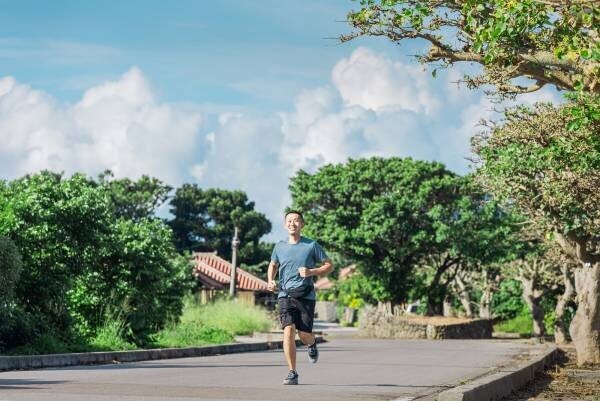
{"x": 306, "y": 338}
{"x": 289, "y": 345}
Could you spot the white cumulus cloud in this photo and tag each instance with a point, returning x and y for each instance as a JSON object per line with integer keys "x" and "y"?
{"x": 374, "y": 81}
{"x": 374, "y": 106}
{"x": 119, "y": 125}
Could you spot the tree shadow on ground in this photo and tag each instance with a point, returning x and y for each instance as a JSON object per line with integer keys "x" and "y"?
{"x": 26, "y": 384}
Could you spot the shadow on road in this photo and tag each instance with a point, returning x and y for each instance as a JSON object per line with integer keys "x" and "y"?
{"x": 134, "y": 365}
{"x": 374, "y": 385}
{"x": 26, "y": 384}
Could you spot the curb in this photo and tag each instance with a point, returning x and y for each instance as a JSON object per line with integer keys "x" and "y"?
{"x": 503, "y": 382}
{"x": 98, "y": 358}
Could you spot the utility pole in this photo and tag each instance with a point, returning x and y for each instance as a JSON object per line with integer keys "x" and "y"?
{"x": 235, "y": 243}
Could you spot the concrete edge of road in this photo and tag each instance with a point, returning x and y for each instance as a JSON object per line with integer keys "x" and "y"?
{"x": 503, "y": 381}
{"x": 26, "y": 362}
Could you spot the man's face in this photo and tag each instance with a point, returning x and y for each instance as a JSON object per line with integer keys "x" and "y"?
{"x": 293, "y": 223}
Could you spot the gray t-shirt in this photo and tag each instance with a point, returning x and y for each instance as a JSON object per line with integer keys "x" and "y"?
{"x": 290, "y": 257}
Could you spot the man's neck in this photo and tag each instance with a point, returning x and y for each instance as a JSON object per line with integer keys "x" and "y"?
{"x": 293, "y": 238}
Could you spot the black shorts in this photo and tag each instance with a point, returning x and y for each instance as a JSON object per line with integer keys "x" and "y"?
{"x": 300, "y": 312}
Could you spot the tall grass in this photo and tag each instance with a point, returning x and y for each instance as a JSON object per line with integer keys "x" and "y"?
{"x": 213, "y": 323}
{"x": 111, "y": 335}
{"x": 235, "y": 317}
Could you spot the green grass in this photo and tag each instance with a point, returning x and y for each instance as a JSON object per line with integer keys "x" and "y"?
{"x": 236, "y": 317}
{"x": 111, "y": 336}
{"x": 523, "y": 324}
{"x": 213, "y": 323}
{"x": 190, "y": 334}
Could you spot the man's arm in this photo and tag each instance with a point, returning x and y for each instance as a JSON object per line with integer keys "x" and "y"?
{"x": 271, "y": 284}
{"x": 324, "y": 269}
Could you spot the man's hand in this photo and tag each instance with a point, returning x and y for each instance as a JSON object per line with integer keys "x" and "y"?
{"x": 304, "y": 272}
{"x": 272, "y": 286}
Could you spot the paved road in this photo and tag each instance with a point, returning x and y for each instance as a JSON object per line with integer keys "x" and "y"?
{"x": 349, "y": 369}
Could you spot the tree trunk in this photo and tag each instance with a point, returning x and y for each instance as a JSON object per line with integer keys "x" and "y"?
{"x": 447, "y": 307}
{"x": 585, "y": 326}
{"x": 485, "y": 302}
{"x": 485, "y": 310}
{"x": 433, "y": 294}
{"x": 464, "y": 296}
{"x": 532, "y": 297}
{"x": 560, "y": 326}
{"x": 435, "y": 291}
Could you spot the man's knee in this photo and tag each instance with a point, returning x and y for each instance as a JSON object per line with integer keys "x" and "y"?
{"x": 290, "y": 329}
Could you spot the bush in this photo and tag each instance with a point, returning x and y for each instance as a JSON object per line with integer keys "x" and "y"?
{"x": 113, "y": 333}
{"x": 10, "y": 270}
{"x": 56, "y": 225}
{"x": 507, "y": 302}
{"x": 18, "y": 327}
{"x": 358, "y": 290}
{"x": 89, "y": 258}
{"x": 141, "y": 274}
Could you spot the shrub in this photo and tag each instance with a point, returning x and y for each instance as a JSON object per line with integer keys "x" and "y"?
{"x": 507, "y": 302}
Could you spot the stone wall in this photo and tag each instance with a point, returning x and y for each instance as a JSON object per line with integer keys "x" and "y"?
{"x": 379, "y": 323}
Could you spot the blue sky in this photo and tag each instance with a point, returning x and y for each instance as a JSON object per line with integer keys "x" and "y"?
{"x": 192, "y": 51}
{"x": 231, "y": 94}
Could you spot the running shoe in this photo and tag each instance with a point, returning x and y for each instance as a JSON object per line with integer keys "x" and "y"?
{"x": 292, "y": 378}
{"x": 313, "y": 353}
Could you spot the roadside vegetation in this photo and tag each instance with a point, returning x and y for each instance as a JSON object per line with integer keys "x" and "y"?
{"x": 213, "y": 323}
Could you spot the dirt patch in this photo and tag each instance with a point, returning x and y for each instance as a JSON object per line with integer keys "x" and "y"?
{"x": 563, "y": 382}
{"x": 435, "y": 320}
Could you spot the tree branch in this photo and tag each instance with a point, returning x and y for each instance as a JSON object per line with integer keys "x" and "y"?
{"x": 576, "y": 247}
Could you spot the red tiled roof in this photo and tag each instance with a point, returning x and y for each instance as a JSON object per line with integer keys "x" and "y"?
{"x": 209, "y": 265}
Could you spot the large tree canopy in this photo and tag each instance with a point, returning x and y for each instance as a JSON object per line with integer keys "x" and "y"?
{"x": 80, "y": 259}
{"x": 550, "y": 173}
{"x": 134, "y": 200}
{"x": 393, "y": 215}
{"x": 204, "y": 220}
{"x": 548, "y": 41}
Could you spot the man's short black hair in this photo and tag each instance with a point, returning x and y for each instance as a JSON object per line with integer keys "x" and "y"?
{"x": 294, "y": 212}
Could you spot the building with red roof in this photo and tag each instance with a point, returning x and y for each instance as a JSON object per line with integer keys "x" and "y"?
{"x": 214, "y": 276}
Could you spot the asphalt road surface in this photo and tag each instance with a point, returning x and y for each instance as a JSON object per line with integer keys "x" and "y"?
{"x": 348, "y": 369}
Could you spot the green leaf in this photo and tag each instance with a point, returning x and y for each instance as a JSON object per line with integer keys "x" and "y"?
{"x": 586, "y": 54}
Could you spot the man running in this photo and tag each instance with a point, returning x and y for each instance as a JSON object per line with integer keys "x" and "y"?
{"x": 297, "y": 260}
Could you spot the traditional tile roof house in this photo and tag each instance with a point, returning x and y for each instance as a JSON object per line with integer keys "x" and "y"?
{"x": 214, "y": 275}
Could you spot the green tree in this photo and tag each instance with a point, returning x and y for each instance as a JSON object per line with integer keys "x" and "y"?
{"x": 552, "y": 175}
{"x": 471, "y": 233}
{"x": 138, "y": 273}
{"x": 83, "y": 260}
{"x": 374, "y": 212}
{"x": 134, "y": 200}
{"x": 55, "y": 224}
{"x": 10, "y": 270}
{"x": 204, "y": 220}
{"x": 395, "y": 216}
{"x": 545, "y": 41}
{"x": 12, "y": 316}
